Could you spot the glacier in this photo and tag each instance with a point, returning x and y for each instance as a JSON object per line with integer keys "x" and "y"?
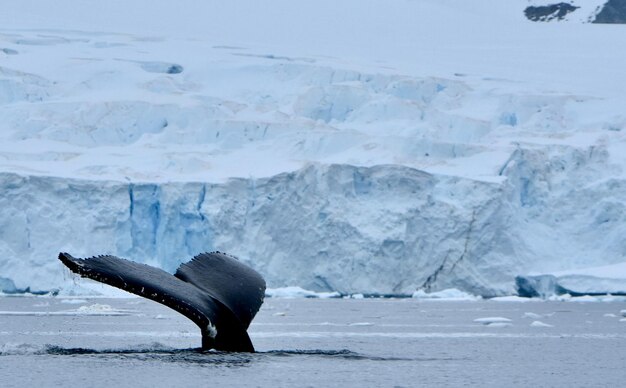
{"x": 384, "y": 155}
{"x": 385, "y": 229}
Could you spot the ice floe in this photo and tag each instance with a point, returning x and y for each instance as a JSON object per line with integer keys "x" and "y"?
{"x": 298, "y": 292}
{"x": 540, "y": 324}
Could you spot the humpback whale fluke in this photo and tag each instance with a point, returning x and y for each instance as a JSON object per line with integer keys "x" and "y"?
{"x": 215, "y": 290}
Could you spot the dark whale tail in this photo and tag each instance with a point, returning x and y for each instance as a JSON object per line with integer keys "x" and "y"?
{"x": 216, "y": 291}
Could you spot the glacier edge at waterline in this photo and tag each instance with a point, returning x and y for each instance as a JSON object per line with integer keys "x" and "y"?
{"x": 385, "y": 229}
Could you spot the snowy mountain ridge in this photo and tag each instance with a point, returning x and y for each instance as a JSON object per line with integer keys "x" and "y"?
{"x": 382, "y": 154}
{"x": 587, "y": 11}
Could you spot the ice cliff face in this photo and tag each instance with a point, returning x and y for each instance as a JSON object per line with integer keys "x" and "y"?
{"x": 386, "y": 229}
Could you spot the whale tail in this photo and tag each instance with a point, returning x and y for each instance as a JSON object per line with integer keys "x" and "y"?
{"x": 215, "y": 290}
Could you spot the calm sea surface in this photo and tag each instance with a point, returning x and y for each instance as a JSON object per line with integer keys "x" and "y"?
{"x": 316, "y": 342}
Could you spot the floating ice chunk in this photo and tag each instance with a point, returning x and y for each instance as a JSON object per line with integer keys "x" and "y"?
{"x": 280, "y": 314}
{"x": 450, "y": 294}
{"x": 24, "y": 313}
{"x": 609, "y": 315}
{"x": 623, "y": 320}
{"x": 73, "y": 301}
{"x": 491, "y": 320}
{"x": 100, "y": 309}
{"x": 361, "y": 324}
{"x": 611, "y": 298}
{"x": 514, "y": 298}
{"x": 539, "y": 324}
{"x": 357, "y": 296}
{"x": 499, "y": 324}
{"x": 585, "y": 298}
{"x": 96, "y": 307}
{"x": 531, "y": 315}
{"x": 560, "y": 298}
{"x": 298, "y": 292}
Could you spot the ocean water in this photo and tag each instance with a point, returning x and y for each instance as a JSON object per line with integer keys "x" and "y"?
{"x": 316, "y": 342}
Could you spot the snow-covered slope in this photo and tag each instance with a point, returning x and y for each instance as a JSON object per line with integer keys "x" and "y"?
{"x": 361, "y": 146}
{"x": 577, "y": 11}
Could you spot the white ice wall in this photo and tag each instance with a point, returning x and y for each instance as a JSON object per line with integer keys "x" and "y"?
{"x": 386, "y": 229}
